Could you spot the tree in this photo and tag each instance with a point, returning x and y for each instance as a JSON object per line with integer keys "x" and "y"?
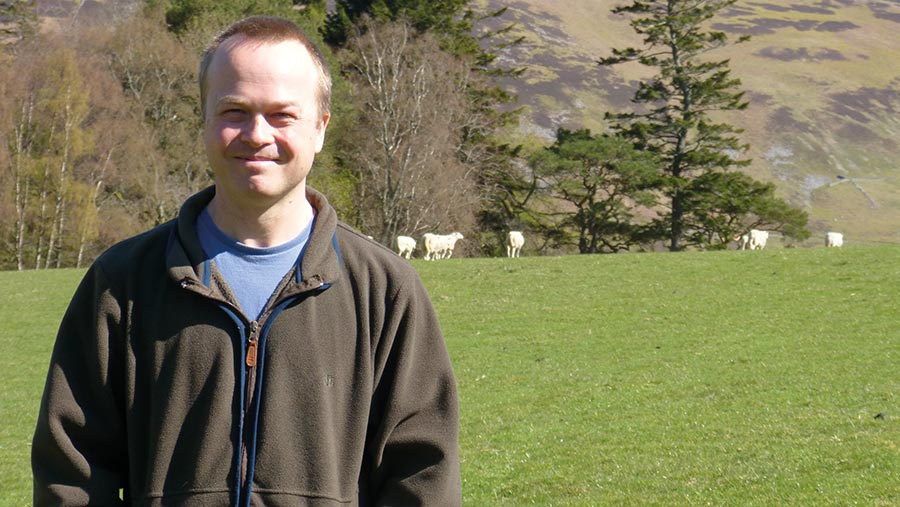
{"x": 451, "y": 24}
{"x": 596, "y": 183}
{"x": 411, "y": 100}
{"x": 64, "y": 98}
{"x": 77, "y": 151}
{"x": 438, "y": 16}
{"x": 506, "y": 187}
{"x": 48, "y": 135}
{"x": 157, "y": 74}
{"x": 680, "y": 99}
{"x": 18, "y": 104}
{"x": 729, "y": 204}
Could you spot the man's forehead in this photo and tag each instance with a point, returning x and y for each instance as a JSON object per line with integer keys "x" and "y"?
{"x": 243, "y": 43}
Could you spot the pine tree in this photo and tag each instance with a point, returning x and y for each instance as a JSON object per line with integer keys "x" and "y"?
{"x": 439, "y": 16}
{"x": 675, "y": 121}
{"x": 591, "y": 189}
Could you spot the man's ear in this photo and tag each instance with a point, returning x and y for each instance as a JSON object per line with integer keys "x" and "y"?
{"x": 320, "y": 141}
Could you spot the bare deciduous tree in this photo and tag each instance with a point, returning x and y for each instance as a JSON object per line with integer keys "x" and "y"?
{"x": 157, "y": 75}
{"x": 20, "y": 146}
{"x": 65, "y": 102}
{"x": 412, "y": 104}
{"x": 78, "y": 152}
{"x": 48, "y": 132}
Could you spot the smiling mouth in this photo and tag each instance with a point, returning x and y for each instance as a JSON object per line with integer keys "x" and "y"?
{"x": 256, "y": 159}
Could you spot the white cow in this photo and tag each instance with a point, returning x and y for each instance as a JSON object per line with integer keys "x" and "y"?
{"x": 405, "y": 246}
{"x": 514, "y": 242}
{"x": 440, "y": 246}
{"x": 834, "y": 239}
{"x": 753, "y": 240}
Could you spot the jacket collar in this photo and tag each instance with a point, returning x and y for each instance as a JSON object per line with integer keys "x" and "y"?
{"x": 320, "y": 264}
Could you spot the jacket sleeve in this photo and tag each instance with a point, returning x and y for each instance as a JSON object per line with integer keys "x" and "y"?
{"x": 78, "y": 454}
{"x": 415, "y": 449}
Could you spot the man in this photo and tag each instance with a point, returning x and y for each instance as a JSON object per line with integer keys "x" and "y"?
{"x": 254, "y": 351}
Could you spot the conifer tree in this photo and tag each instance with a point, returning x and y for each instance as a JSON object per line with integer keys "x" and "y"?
{"x": 591, "y": 189}
{"x": 675, "y": 122}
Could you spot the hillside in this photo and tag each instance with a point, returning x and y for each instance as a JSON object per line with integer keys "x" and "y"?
{"x": 821, "y": 77}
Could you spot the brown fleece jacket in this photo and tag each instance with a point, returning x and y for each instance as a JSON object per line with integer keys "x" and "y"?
{"x": 351, "y": 399}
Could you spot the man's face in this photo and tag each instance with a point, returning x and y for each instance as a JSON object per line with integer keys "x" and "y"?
{"x": 262, "y": 128}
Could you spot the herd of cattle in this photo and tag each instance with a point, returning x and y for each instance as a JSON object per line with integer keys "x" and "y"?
{"x": 440, "y": 246}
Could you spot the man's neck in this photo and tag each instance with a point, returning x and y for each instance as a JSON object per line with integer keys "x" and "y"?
{"x": 262, "y": 227}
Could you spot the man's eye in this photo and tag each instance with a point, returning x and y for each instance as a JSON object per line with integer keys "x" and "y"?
{"x": 232, "y": 114}
{"x": 280, "y": 118}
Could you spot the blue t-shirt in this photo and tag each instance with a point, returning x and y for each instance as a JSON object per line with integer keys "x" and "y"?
{"x": 252, "y": 273}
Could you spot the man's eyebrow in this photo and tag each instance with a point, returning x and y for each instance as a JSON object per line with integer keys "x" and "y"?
{"x": 230, "y": 99}
{"x": 238, "y": 101}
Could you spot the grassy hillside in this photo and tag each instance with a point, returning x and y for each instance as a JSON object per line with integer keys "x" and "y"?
{"x": 821, "y": 77}
{"x": 718, "y": 378}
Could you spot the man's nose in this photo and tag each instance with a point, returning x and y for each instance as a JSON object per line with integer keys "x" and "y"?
{"x": 257, "y": 131}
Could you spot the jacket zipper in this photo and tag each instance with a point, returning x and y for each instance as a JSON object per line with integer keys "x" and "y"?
{"x": 250, "y": 362}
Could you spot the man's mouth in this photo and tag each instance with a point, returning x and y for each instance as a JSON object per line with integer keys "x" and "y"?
{"x": 255, "y": 158}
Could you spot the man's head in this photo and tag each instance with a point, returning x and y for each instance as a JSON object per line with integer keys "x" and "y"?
{"x": 267, "y": 30}
{"x": 265, "y": 96}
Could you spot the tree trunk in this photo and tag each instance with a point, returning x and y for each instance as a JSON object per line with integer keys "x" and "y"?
{"x": 21, "y": 206}
{"x": 20, "y": 193}
{"x": 42, "y": 216}
{"x": 59, "y": 210}
{"x": 22, "y": 146}
{"x": 60, "y": 235}
{"x": 677, "y": 221}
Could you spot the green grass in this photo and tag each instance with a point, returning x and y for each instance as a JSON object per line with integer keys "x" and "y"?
{"x": 31, "y": 306}
{"x": 726, "y": 378}
{"x": 731, "y": 378}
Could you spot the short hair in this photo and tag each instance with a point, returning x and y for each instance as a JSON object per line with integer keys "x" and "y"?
{"x": 269, "y": 29}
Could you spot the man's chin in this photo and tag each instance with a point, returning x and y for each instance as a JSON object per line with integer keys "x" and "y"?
{"x": 266, "y": 192}
{"x": 257, "y": 166}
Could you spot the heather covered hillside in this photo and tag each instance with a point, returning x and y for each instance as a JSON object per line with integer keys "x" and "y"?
{"x": 821, "y": 76}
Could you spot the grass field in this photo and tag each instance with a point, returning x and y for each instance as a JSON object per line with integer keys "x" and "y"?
{"x": 727, "y": 378}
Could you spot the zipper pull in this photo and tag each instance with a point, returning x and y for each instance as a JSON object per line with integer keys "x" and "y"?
{"x": 251, "y": 345}
{"x": 251, "y": 353}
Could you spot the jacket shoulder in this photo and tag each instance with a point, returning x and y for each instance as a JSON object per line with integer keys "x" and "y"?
{"x": 360, "y": 253}
{"x": 143, "y": 252}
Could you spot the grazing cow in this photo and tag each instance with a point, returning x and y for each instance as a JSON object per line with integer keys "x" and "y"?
{"x": 405, "y": 246}
{"x": 438, "y": 246}
{"x": 834, "y": 239}
{"x": 514, "y": 242}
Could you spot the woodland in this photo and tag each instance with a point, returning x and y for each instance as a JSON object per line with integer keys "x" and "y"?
{"x": 99, "y": 121}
